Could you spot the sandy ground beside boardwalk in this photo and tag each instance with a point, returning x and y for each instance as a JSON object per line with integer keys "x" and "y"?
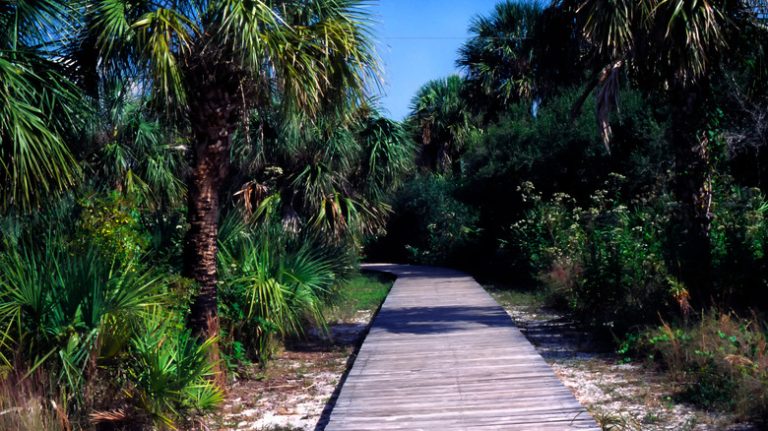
{"x": 621, "y": 397}
{"x": 294, "y": 390}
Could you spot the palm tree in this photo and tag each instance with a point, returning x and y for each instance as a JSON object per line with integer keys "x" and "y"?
{"x": 206, "y": 63}
{"x": 521, "y": 52}
{"x": 442, "y": 118}
{"x": 499, "y": 59}
{"x": 332, "y": 177}
{"x": 387, "y": 156}
{"x": 39, "y": 106}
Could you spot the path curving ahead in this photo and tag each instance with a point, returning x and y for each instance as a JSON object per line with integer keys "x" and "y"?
{"x": 443, "y": 355}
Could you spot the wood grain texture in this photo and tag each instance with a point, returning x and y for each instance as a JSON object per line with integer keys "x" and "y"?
{"x": 443, "y": 355}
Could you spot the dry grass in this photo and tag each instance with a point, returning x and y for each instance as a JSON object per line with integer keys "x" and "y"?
{"x": 722, "y": 360}
{"x": 24, "y": 408}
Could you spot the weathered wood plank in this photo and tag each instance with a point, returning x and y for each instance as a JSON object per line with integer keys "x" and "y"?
{"x": 443, "y": 355}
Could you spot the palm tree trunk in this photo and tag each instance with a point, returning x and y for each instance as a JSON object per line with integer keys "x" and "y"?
{"x": 201, "y": 242}
{"x": 693, "y": 189}
{"x": 212, "y": 117}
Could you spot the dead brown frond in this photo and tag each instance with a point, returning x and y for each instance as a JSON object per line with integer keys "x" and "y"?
{"x": 608, "y": 100}
{"x": 252, "y": 194}
{"x": 110, "y": 416}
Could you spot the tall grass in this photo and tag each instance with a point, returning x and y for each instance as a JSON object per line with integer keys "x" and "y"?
{"x": 361, "y": 292}
{"x": 24, "y": 405}
{"x": 722, "y": 360}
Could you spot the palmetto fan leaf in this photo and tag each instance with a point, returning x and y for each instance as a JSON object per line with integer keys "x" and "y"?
{"x": 140, "y": 42}
{"x": 697, "y": 29}
{"x": 171, "y": 371}
{"x": 280, "y": 287}
{"x": 332, "y": 42}
{"x": 67, "y": 304}
{"x": 672, "y": 39}
{"x": 163, "y": 38}
{"x": 38, "y": 104}
{"x": 34, "y": 159}
{"x": 34, "y": 23}
{"x": 611, "y": 24}
{"x": 309, "y": 49}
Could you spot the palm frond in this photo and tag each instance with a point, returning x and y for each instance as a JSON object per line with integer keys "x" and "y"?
{"x": 171, "y": 371}
{"x": 694, "y": 31}
{"x": 611, "y": 25}
{"x": 163, "y": 38}
{"x": 499, "y": 58}
{"x": 37, "y": 106}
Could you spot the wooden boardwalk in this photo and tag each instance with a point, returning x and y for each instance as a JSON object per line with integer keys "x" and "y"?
{"x": 443, "y": 355}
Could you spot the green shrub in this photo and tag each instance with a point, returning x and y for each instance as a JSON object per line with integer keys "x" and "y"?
{"x": 739, "y": 237}
{"x": 604, "y": 262}
{"x": 550, "y": 233}
{"x": 112, "y": 224}
{"x": 429, "y": 224}
{"x": 459, "y": 221}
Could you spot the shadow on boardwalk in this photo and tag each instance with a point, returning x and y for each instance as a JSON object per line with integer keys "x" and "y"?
{"x": 438, "y": 320}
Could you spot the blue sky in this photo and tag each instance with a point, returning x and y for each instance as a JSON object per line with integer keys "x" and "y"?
{"x": 418, "y": 41}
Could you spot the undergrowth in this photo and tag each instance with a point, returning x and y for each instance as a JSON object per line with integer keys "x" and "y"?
{"x": 722, "y": 361}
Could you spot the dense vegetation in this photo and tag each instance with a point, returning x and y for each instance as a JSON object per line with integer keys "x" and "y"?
{"x": 610, "y": 152}
{"x": 183, "y": 184}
